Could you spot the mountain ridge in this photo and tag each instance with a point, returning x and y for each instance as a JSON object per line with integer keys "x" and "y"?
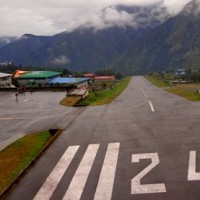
{"x": 169, "y": 46}
{"x": 85, "y": 48}
{"x": 163, "y": 43}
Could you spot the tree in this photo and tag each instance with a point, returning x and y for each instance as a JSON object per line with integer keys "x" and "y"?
{"x": 66, "y": 72}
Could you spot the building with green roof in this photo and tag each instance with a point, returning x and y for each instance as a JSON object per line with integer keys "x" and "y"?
{"x": 37, "y": 77}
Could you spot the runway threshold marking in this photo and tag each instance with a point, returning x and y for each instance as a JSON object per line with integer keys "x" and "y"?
{"x": 54, "y": 178}
{"x": 106, "y": 179}
{"x": 78, "y": 182}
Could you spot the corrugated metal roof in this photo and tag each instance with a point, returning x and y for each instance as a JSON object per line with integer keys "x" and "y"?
{"x": 2, "y": 75}
{"x": 40, "y": 74}
{"x": 67, "y": 80}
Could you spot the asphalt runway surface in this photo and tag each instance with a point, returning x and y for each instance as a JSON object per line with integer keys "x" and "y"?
{"x": 145, "y": 145}
{"x": 29, "y": 113}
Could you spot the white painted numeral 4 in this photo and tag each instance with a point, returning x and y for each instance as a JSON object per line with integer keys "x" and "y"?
{"x": 136, "y": 187}
{"x": 192, "y": 174}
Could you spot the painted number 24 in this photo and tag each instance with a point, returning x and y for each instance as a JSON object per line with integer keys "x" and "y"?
{"x": 138, "y": 188}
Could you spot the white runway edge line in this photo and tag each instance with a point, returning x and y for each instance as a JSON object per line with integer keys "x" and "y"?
{"x": 54, "y": 178}
{"x": 151, "y": 106}
{"x": 78, "y": 182}
{"x": 106, "y": 180}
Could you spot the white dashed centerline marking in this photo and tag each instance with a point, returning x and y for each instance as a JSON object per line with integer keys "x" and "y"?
{"x": 151, "y": 106}
{"x": 144, "y": 93}
{"x": 54, "y": 178}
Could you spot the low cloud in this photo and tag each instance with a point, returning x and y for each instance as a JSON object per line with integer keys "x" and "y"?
{"x": 110, "y": 17}
{"x": 48, "y": 17}
{"x": 122, "y": 16}
{"x": 61, "y": 60}
{"x": 174, "y": 6}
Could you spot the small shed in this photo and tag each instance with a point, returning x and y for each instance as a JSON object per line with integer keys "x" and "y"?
{"x": 79, "y": 92}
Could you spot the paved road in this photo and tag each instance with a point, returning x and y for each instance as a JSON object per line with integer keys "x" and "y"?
{"x": 143, "y": 146}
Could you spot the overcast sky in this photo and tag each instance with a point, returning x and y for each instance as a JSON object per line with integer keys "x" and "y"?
{"x": 48, "y": 17}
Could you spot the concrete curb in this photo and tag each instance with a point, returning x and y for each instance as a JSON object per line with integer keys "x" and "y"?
{"x": 23, "y": 171}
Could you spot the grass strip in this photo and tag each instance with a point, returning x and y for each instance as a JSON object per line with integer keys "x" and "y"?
{"x": 15, "y": 157}
{"x": 107, "y": 96}
{"x": 180, "y": 91}
{"x": 158, "y": 81}
{"x": 183, "y": 93}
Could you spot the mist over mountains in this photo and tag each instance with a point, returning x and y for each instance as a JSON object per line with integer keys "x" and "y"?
{"x": 6, "y": 40}
{"x": 171, "y": 45}
{"x": 130, "y": 39}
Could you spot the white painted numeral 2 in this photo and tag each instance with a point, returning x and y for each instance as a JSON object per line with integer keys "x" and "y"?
{"x": 136, "y": 187}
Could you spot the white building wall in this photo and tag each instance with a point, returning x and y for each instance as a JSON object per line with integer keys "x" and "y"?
{"x": 5, "y": 81}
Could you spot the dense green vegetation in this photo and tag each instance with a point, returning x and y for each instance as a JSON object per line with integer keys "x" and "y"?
{"x": 17, "y": 155}
{"x": 106, "y": 96}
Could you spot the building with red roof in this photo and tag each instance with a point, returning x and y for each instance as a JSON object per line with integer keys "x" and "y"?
{"x": 90, "y": 76}
{"x": 104, "y": 78}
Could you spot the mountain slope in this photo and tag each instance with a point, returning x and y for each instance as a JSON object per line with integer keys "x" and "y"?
{"x": 22, "y": 50}
{"x": 171, "y": 45}
{"x": 6, "y": 40}
{"x": 78, "y": 50}
{"x": 89, "y": 47}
